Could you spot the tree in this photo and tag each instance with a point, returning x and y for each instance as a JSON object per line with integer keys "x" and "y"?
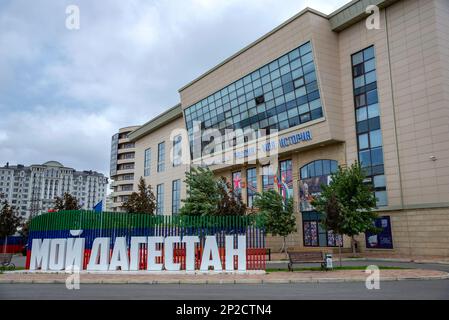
{"x": 278, "y": 216}
{"x": 9, "y": 221}
{"x": 142, "y": 201}
{"x": 202, "y": 193}
{"x": 347, "y": 203}
{"x": 66, "y": 202}
{"x": 230, "y": 203}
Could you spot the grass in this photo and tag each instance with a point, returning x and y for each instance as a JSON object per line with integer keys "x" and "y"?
{"x": 334, "y": 269}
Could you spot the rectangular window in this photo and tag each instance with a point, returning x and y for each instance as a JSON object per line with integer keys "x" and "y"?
{"x": 367, "y": 117}
{"x": 286, "y": 176}
{"x": 160, "y": 199}
{"x": 267, "y": 178}
{"x": 177, "y": 151}
{"x": 147, "y": 162}
{"x": 237, "y": 183}
{"x": 176, "y": 197}
{"x": 161, "y": 157}
{"x": 251, "y": 178}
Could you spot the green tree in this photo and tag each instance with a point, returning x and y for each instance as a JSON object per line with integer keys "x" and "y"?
{"x": 347, "y": 203}
{"x": 202, "y": 193}
{"x": 66, "y": 202}
{"x": 277, "y": 215}
{"x": 9, "y": 221}
{"x": 230, "y": 203}
{"x": 142, "y": 201}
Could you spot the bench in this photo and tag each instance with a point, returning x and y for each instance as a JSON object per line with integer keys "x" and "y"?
{"x": 305, "y": 257}
{"x": 5, "y": 261}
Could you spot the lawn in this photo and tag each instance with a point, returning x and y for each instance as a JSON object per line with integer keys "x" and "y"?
{"x": 334, "y": 269}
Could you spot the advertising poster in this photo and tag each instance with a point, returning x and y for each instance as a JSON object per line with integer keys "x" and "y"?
{"x": 309, "y": 189}
{"x": 382, "y": 240}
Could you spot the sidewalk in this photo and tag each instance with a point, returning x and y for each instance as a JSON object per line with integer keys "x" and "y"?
{"x": 273, "y": 277}
{"x": 381, "y": 256}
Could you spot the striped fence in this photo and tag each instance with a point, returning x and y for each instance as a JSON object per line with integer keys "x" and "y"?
{"x": 12, "y": 244}
{"x": 57, "y": 225}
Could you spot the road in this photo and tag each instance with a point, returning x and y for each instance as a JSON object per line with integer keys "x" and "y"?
{"x": 434, "y": 289}
{"x": 410, "y": 290}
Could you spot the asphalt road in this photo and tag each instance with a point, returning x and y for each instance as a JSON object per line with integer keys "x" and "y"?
{"x": 389, "y": 290}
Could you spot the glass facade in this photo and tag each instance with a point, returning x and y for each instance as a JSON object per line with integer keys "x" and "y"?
{"x": 251, "y": 178}
{"x": 176, "y": 197}
{"x": 161, "y": 157}
{"x": 280, "y": 95}
{"x": 147, "y": 163}
{"x": 369, "y": 135}
{"x": 160, "y": 199}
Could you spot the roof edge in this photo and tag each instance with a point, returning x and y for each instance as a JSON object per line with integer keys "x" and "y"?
{"x": 160, "y": 120}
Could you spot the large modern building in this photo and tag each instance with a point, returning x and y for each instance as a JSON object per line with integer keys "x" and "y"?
{"x": 332, "y": 90}
{"x": 32, "y": 189}
{"x": 122, "y": 167}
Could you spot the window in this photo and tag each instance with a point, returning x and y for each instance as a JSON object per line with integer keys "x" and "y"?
{"x": 317, "y": 236}
{"x": 369, "y": 134}
{"x": 251, "y": 178}
{"x": 176, "y": 197}
{"x": 237, "y": 183}
{"x": 147, "y": 162}
{"x": 160, "y": 199}
{"x": 267, "y": 178}
{"x": 313, "y": 176}
{"x": 286, "y": 183}
{"x": 161, "y": 157}
{"x": 177, "y": 151}
{"x": 284, "y": 84}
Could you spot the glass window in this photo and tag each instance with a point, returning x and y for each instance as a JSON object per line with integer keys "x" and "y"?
{"x": 160, "y": 199}
{"x": 267, "y": 178}
{"x": 373, "y": 111}
{"x": 237, "y": 183}
{"x": 147, "y": 162}
{"x": 279, "y": 80}
{"x": 161, "y": 157}
{"x": 177, "y": 151}
{"x": 176, "y": 196}
{"x": 286, "y": 176}
{"x": 363, "y": 141}
{"x": 375, "y": 138}
{"x": 251, "y": 178}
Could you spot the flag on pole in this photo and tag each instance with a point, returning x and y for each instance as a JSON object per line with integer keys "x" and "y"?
{"x": 98, "y": 207}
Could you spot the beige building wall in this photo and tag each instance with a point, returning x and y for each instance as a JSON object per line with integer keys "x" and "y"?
{"x": 151, "y": 140}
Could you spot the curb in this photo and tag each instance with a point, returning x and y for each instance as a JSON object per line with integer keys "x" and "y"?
{"x": 230, "y": 281}
{"x": 378, "y": 259}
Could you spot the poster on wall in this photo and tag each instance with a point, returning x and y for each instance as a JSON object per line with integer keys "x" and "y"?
{"x": 309, "y": 189}
{"x": 382, "y": 240}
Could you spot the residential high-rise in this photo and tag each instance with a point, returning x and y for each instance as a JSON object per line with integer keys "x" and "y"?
{"x": 122, "y": 167}
{"x": 32, "y": 189}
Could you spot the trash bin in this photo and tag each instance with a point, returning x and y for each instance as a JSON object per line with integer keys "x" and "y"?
{"x": 329, "y": 264}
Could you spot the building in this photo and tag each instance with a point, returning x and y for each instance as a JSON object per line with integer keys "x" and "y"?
{"x": 122, "y": 167}
{"x": 332, "y": 90}
{"x": 32, "y": 189}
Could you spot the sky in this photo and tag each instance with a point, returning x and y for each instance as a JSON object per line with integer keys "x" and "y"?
{"x": 64, "y": 93}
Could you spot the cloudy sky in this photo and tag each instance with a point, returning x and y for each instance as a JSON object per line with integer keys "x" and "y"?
{"x": 63, "y": 93}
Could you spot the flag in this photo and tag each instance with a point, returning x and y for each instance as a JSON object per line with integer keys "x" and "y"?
{"x": 98, "y": 207}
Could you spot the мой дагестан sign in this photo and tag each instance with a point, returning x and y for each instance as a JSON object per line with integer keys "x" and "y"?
{"x": 65, "y": 254}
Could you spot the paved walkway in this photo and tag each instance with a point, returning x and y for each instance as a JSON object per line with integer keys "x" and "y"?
{"x": 273, "y": 277}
